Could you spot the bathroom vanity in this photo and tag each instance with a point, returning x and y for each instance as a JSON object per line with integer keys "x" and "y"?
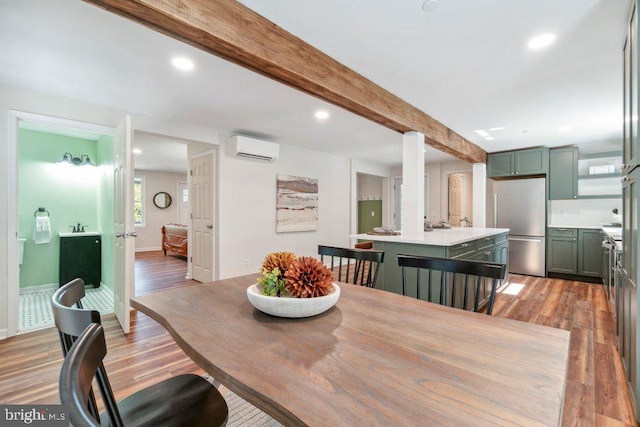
{"x": 81, "y": 257}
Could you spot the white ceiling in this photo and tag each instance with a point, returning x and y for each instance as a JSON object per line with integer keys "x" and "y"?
{"x": 465, "y": 63}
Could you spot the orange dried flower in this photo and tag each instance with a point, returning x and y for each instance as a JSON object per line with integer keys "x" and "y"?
{"x": 279, "y": 260}
{"x": 307, "y": 277}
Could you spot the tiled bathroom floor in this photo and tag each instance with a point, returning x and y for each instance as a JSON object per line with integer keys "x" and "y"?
{"x": 35, "y": 307}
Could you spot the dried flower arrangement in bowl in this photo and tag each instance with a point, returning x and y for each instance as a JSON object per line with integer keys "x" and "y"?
{"x": 293, "y": 287}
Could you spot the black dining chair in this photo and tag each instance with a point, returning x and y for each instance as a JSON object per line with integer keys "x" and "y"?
{"x": 72, "y": 322}
{"x": 367, "y": 264}
{"x": 461, "y": 283}
{"x": 183, "y": 400}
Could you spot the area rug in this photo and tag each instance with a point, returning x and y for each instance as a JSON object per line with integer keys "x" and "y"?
{"x": 241, "y": 412}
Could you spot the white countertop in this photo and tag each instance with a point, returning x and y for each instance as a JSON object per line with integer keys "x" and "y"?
{"x": 437, "y": 237}
{"x": 83, "y": 233}
{"x": 590, "y": 227}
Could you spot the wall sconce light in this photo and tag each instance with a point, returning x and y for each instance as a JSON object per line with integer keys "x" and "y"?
{"x": 83, "y": 160}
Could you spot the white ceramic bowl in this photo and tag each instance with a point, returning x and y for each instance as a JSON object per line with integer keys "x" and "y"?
{"x": 292, "y": 307}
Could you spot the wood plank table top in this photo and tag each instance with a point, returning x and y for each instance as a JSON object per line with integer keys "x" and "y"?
{"x": 375, "y": 358}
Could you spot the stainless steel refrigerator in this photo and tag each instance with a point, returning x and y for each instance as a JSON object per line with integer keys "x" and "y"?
{"x": 520, "y": 205}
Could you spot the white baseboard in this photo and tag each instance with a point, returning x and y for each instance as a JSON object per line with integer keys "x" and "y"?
{"x": 148, "y": 249}
{"x": 3, "y": 334}
{"x": 38, "y": 288}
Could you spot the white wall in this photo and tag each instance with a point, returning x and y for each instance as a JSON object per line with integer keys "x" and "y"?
{"x": 369, "y": 187}
{"x": 247, "y": 201}
{"x": 149, "y": 236}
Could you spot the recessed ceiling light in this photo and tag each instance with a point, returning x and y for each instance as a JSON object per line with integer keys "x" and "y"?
{"x": 564, "y": 128}
{"x": 482, "y": 132}
{"x": 543, "y": 40}
{"x": 182, "y": 63}
{"x": 322, "y": 115}
{"x": 136, "y": 151}
{"x": 430, "y": 5}
{"x": 495, "y": 129}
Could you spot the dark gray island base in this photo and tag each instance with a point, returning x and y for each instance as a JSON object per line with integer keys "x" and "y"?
{"x": 480, "y": 244}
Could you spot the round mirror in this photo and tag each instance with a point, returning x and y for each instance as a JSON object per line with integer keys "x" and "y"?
{"x": 162, "y": 200}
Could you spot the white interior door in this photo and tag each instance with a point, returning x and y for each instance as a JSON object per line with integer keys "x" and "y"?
{"x": 123, "y": 223}
{"x": 202, "y": 208}
{"x": 455, "y": 199}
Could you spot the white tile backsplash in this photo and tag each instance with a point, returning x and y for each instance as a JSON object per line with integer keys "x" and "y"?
{"x": 589, "y": 212}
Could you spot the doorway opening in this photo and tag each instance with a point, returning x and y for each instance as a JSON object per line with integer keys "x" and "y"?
{"x": 460, "y": 199}
{"x": 397, "y": 201}
{"x": 60, "y": 185}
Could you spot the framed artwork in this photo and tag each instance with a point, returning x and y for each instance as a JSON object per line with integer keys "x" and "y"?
{"x": 296, "y": 204}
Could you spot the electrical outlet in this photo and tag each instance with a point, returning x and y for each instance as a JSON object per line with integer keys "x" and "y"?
{"x": 246, "y": 263}
{"x": 373, "y": 213}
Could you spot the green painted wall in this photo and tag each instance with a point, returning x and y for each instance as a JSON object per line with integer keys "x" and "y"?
{"x": 106, "y": 208}
{"x": 69, "y": 193}
{"x": 366, "y": 222}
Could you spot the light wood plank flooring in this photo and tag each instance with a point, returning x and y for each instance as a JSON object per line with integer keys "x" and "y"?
{"x": 595, "y": 393}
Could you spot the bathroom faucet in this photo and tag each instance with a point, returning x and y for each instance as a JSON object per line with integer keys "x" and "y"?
{"x": 78, "y": 228}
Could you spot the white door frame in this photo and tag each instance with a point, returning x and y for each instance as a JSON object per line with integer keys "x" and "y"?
{"x": 216, "y": 217}
{"x": 12, "y": 290}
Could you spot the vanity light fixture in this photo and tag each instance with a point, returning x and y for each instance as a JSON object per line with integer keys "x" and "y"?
{"x": 182, "y": 63}
{"x": 322, "y": 115}
{"x": 83, "y": 160}
{"x": 542, "y": 40}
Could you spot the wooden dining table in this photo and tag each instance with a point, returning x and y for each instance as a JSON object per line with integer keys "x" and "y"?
{"x": 375, "y": 358}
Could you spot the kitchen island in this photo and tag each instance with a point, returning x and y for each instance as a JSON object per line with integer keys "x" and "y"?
{"x": 481, "y": 244}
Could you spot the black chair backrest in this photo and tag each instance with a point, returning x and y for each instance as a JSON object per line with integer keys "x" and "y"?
{"x": 449, "y": 293}
{"x": 79, "y": 368}
{"x": 367, "y": 264}
{"x": 71, "y": 323}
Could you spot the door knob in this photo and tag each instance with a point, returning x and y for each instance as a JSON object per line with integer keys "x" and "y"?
{"x": 209, "y": 226}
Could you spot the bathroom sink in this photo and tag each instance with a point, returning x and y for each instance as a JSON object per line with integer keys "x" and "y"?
{"x": 80, "y": 234}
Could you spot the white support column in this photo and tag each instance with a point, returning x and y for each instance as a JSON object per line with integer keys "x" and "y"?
{"x": 479, "y": 195}
{"x": 412, "y": 183}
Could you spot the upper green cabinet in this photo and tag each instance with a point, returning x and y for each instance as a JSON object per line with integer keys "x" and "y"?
{"x": 563, "y": 173}
{"x": 533, "y": 161}
{"x": 575, "y": 174}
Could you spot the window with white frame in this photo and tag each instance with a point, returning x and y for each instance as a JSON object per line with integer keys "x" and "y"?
{"x": 138, "y": 201}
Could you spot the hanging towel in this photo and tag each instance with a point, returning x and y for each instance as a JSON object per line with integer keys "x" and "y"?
{"x": 42, "y": 230}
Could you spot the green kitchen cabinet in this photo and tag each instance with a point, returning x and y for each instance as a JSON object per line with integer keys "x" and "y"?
{"x": 590, "y": 252}
{"x": 562, "y": 245}
{"x": 81, "y": 257}
{"x": 563, "y": 173}
{"x": 500, "y": 164}
{"x": 533, "y": 161}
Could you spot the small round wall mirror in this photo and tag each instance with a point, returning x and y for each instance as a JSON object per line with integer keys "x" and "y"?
{"x": 162, "y": 200}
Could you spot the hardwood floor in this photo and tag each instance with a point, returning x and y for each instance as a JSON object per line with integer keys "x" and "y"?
{"x": 596, "y": 393}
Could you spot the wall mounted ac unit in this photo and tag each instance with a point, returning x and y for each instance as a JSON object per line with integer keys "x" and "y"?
{"x": 252, "y": 148}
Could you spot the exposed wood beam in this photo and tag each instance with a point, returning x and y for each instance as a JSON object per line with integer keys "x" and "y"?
{"x": 236, "y": 33}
